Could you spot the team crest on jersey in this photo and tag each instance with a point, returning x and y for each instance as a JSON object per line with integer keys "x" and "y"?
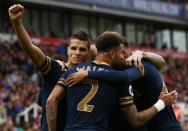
{"x": 131, "y": 90}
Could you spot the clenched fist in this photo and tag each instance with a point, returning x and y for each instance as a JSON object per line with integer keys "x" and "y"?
{"x": 16, "y": 12}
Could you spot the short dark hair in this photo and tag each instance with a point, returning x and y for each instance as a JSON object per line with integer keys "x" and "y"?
{"x": 108, "y": 40}
{"x": 125, "y": 42}
{"x": 81, "y": 35}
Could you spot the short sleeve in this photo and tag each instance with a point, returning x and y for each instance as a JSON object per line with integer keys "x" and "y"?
{"x": 61, "y": 82}
{"x": 46, "y": 66}
{"x": 126, "y": 95}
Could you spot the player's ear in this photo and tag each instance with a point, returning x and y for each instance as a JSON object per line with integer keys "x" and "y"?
{"x": 112, "y": 54}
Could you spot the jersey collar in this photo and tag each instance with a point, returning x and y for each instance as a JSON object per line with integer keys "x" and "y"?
{"x": 101, "y": 63}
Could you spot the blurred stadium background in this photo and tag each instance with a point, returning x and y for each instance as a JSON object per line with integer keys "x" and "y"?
{"x": 160, "y": 26}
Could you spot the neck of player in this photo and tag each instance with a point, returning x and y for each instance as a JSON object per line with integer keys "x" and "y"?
{"x": 103, "y": 59}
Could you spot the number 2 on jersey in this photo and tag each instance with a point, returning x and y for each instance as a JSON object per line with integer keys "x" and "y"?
{"x": 83, "y": 105}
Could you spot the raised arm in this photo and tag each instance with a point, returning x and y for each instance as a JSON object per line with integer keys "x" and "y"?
{"x": 37, "y": 56}
{"x": 138, "y": 55}
{"x": 137, "y": 119}
{"x": 51, "y": 104}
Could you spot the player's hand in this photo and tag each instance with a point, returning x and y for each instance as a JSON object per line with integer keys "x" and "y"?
{"x": 16, "y": 12}
{"x": 165, "y": 90}
{"x": 168, "y": 98}
{"x": 135, "y": 58}
{"x": 76, "y": 78}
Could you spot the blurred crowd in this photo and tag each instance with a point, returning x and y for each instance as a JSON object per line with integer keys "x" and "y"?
{"x": 175, "y": 75}
{"x": 19, "y": 87}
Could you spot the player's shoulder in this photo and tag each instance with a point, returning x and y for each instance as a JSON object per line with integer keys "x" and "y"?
{"x": 79, "y": 66}
{"x": 51, "y": 62}
{"x": 85, "y": 63}
{"x": 61, "y": 64}
{"x": 52, "y": 67}
{"x": 149, "y": 68}
{"x": 148, "y": 64}
{"x": 82, "y": 65}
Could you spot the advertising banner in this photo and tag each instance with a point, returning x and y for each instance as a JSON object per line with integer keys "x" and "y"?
{"x": 147, "y": 6}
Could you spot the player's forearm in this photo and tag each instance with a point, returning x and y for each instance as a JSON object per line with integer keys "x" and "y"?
{"x": 23, "y": 37}
{"x": 156, "y": 59}
{"x": 137, "y": 119}
{"x": 51, "y": 107}
{"x": 116, "y": 77}
{"x": 144, "y": 116}
{"x": 166, "y": 99}
{"x": 33, "y": 52}
{"x": 51, "y": 113}
{"x": 110, "y": 76}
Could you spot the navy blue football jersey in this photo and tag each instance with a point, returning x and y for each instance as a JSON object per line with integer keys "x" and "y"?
{"x": 116, "y": 120}
{"x": 147, "y": 90}
{"x": 51, "y": 71}
{"x": 90, "y": 103}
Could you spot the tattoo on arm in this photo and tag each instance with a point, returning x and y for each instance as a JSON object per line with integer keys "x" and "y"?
{"x": 51, "y": 107}
{"x": 137, "y": 119}
{"x": 51, "y": 113}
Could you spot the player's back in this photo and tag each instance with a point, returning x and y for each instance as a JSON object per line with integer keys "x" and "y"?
{"x": 147, "y": 90}
{"x": 90, "y": 102}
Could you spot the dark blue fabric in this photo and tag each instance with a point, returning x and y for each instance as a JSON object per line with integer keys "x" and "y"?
{"x": 103, "y": 102}
{"x": 148, "y": 89}
{"x": 48, "y": 83}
